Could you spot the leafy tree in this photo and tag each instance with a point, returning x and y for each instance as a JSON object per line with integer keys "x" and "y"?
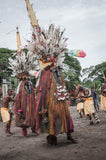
{"x": 73, "y": 73}
{"x": 98, "y": 71}
{"x": 94, "y": 76}
{"x": 5, "y": 71}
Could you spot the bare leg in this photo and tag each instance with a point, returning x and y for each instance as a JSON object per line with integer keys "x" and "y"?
{"x": 95, "y": 108}
{"x": 69, "y": 137}
{"x": 90, "y": 118}
{"x": 24, "y": 131}
{"x": 98, "y": 107}
{"x": 51, "y": 139}
{"x": 8, "y": 125}
{"x": 33, "y": 129}
{"x": 96, "y": 117}
{"x": 80, "y": 114}
{"x": 83, "y": 112}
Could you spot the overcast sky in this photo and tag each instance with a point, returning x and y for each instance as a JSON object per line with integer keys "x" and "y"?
{"x": 84, "y": 21}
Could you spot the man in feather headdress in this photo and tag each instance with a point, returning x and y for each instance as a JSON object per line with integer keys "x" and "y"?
{"x": 103, "y": 95}
{"x": 25, "y": 106}
{"x": 53, "y": 114}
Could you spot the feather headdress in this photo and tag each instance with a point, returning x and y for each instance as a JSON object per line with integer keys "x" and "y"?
{"x": 48, "y": 45}
{"x": 22, "y": 63}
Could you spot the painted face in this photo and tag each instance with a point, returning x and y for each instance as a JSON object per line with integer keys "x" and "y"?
{"x": 10, "y": 92}
{"x": 86, "y": 92}
{"x": 28, "y": 87}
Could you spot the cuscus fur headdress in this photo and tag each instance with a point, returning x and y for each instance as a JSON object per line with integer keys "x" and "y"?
{"x": 23, "y": 62}
{"x": 49, "y": 45}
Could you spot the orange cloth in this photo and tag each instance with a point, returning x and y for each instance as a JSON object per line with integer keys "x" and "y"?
{"x": 89, "y": 106}
{"x": 5, "y": 114}
{"x": 80, "y": 106}
{"x": 103, "y": 103}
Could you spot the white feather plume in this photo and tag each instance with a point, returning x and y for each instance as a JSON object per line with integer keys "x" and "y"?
{"x": 50, "y": 43}
{"x": 23, "y": 62}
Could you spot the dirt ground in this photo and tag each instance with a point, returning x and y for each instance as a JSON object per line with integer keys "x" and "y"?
{"x": 91, "y": 142}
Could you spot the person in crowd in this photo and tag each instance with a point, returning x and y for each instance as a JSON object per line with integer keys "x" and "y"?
{"x": 0, "y": 102}
{"x": 79, "y": 92}
{"x": 89, "y": 107}
{"x": 53, "y": 114}
{"x": 95, "y": 98}
{"x": 5, "y": 112}
{"x": 103, "y": 95}
{"x": 25, "y": 106}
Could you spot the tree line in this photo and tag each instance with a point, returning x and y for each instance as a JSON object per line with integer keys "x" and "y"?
{"x": 93, "y": 76}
